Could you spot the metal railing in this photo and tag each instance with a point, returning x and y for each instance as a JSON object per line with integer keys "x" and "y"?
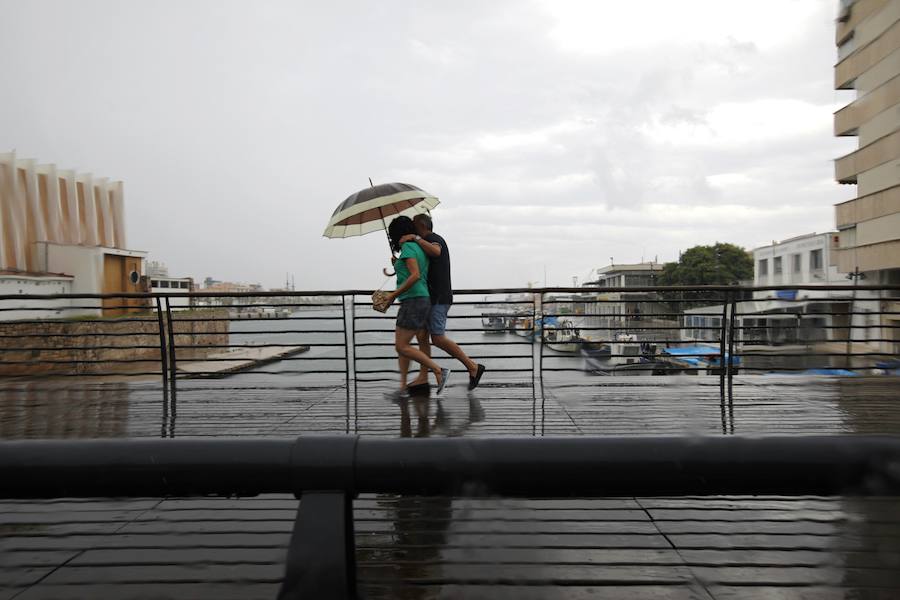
{"x": 714, "y": 330}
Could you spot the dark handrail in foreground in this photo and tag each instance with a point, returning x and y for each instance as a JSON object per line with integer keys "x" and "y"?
{"x": 550, "y": 467}
{"x": 327, "y": 471}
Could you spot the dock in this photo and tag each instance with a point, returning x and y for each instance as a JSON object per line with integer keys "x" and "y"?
{"x": 237, "y": 360}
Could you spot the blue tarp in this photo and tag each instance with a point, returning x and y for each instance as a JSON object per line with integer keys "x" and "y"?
{"x": 835, "y": 372}
{"x": 694, "y": 354}
{"x": 691, "y": 350}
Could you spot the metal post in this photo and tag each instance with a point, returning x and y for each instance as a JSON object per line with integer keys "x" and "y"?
{"x": 346, "y": 356}
{"x": 533, "y": 364}
{"x": 321, "y": 560}
{"x": 539, "y": 310}
{"x": 731, "y": 330}
{"x": 352, "y": 334}
{"x": 855, "y": 276}
{"x": 173, "y": 366}
{"x": 723, "y": 333}
{"x": 162, "y": 343}
{"x": 165, "y": 413}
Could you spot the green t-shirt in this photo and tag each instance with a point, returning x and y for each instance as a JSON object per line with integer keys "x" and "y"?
{"x": 419, "y": 288}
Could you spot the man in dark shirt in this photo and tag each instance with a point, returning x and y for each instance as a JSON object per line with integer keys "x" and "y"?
{"x": 441, "y": 291}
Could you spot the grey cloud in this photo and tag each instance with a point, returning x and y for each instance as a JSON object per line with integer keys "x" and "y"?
{"x": 238, "y": 127}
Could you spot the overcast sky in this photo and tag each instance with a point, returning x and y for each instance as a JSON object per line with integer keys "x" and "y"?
{"x": 558, "y": 134}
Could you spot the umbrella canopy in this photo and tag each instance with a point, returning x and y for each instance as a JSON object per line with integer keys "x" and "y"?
{"x": 373, "y": 208}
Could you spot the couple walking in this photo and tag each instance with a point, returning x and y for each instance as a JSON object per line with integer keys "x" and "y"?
{"x": 425, "y": 294}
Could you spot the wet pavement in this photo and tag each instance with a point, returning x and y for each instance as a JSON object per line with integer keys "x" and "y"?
{"x": 412, "y": 547}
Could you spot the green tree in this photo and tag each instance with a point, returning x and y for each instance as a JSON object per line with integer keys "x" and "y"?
{"x": 719, "y": 264}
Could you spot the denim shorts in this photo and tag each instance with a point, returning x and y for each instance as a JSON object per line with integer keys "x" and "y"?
{"x": 413, "y": 313}
{"x": 437, "y": 321}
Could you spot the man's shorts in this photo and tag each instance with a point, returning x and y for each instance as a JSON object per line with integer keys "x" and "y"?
{"x": 437, "y": 321}
{"x": 413, "y": 313}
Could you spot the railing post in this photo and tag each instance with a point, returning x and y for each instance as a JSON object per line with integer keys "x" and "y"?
{"x": 321, "y": 560}
{"x": 731, "y": 330}
{"x": 539, "y": 312}
{"x": 173, "y": 365}
{"x": 163, "y": 359}
{"x": 723, "y": 334}
{"x": 347, "y": 347}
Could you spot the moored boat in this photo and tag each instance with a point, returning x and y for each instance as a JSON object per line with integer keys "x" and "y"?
{"x": 562, "y": 335}
{"x": 495, "y": 322}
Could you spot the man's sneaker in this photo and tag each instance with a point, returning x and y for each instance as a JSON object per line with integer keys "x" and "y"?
{"x": 445, "y": 375}
{"x": 474, "y": 381}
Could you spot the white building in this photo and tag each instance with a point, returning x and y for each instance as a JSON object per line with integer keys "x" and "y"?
{"x": 21, "y": 284}
{"x": 795, "y": 316}
{"x": 169, "y": 285}
{"x": 606, "y": 312}
{"x": 59, "y": 228}
{"x": 802, "y": 260}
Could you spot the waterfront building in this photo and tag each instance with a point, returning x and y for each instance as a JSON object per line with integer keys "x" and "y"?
{"x": 166, "y": 285}
{"x": 228, "y": 287}
{"x": 65, "y": 231}
{"x": 801, "y": 260}
{"x": 641, "y": 274}
{"x": 620, "y": 309}
{"x": 868, "y": 42}
{"x": 796, "y": 316}
{"x": 867, "y": 245}
{"x": 158, "y": 281}
{"x": 623, "y": 305}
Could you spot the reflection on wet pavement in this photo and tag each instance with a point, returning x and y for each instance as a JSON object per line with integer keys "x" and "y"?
{"x": 441, "y": 547}
{"x": 761, "y": 405}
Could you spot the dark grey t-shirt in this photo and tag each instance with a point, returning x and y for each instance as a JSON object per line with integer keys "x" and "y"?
{"x": 439, "y": 273}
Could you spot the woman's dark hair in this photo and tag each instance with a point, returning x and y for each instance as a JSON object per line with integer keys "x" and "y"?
{"x": 398, "y": 228}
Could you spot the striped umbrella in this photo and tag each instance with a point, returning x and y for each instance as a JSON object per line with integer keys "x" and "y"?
{"x": 371, "y": 209}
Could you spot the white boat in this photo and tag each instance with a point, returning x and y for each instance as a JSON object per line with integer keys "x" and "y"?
{"x": 624, "y": 350}
{"x": 523, "y": 325}
{"x": 562, "y": 336}
{"x": 625, "y": 355}
{"x": 495, "y": 322}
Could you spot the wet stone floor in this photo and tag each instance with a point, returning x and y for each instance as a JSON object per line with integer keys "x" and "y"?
{"x": 441, "y": 547}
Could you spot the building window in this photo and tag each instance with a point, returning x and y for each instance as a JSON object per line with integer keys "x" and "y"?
{"x": 796, "y": 261}
{"x": 163, "y": 284}
{"x": 185, "y": 285}
{"x": 776, "y": 265}
{"x": 154, "y": 283}
{"x": 815, "y": 260}
{"x": 763, "y": 267}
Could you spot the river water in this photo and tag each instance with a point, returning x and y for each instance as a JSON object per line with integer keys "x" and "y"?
{"x": 508, "y": 357}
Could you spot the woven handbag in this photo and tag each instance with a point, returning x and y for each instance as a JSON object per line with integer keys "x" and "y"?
{"x": 381, "y": 300}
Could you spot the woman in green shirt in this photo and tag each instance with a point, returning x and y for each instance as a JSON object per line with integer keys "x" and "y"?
{"x": 411, "y": 267}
